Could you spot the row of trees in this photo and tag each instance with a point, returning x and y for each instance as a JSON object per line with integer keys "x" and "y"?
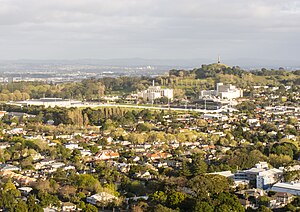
{"x": 86, "y": 89}
{"x": 88, "y": 116}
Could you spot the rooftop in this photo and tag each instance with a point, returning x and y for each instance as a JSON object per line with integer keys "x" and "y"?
{"x": 293, "y": 186}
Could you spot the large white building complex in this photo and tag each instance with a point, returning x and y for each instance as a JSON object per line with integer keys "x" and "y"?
{"x": 155, "y": 92}
{"x": 223, "y": 92}
{"x": 260, "y": 175}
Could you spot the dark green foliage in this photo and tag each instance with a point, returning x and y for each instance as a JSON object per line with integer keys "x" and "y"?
{"x": 90, "y": 208}
{"x": 246, "y": 106}
{"x": 290, "y": 176}
{"x": 175, "y": 199}
{"x": 212, "y": 70}
{"x": 204, "y": 186}
{"x": 48, "y": 199}
{"x": 142, "y": 128}
{"x": 242, "y": 159}
{"x": 227, "y": 202}
{"x": 161, "y": 208}
{"x": 21, "y": 206}
{"x": 296, "y": 202}
{"x": 198, "y": 165}
{"x": 263, "y": 209}
{"x": 32, "y": 206}
{"x": 203, "y": 207}
{"x": 290, "y": 207}
{"x": 194, "y": 168}
{"x": 136, "y": 188}
{"x": 285, "y": 149}
{"x": 264, "y": 201}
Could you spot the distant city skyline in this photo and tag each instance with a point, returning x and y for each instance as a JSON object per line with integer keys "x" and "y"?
{"x": 268, "y": 30}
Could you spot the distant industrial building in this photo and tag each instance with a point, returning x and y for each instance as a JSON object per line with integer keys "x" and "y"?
{"x": 48, "y": 102}
{"x": 155, "y": 92}
{"x": 223, "y": 92}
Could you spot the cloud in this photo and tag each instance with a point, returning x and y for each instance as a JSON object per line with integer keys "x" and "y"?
{"x": 147, "y": 28}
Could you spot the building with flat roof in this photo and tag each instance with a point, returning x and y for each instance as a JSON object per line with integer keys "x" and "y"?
{"x": 266, "y": 179}
{"x": 260, "y": 176}
{"x": 228, "y": 174}
{"x": 48, "y": 102}
{"x": 291, "y": 188}
{"x": 223, "y": 92}
{"x": 155, "y": 92}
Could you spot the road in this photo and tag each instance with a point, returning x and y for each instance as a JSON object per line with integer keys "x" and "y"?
{"x": 94, "y": 105}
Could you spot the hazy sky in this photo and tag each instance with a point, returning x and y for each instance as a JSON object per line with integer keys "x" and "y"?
{"x": 73, "y": 29}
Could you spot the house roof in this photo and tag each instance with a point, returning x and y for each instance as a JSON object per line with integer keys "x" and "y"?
{"x": 283, "y": 194}
{"x": 101, "y": 195}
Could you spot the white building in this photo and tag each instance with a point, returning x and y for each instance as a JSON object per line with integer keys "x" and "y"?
{"x": 71, "y": 146}
{"x": 210, "y": 116}
{"x": 291, "y": 188}
{"x": 8, "y": 167}
{"x": 48, "y": 102}
{"x": 223, "y": 92}
{"x": 25, "y": 190}
{"x": 85, "y": 152}
{"x": 16, "y": 131}
{"x": 155, "y": 92}
{"x": 68, "y": 206}
{"x": 260, "y": 175}
{"x": 262, "y": 165}
{"x": 228, "y": 174}
{"x": 102, "y": 197}
{"x": 4, "y": 145}
{"x": 265, "y": 179}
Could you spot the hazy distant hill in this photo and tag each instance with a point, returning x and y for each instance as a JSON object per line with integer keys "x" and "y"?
{"x": 246, "y": 63}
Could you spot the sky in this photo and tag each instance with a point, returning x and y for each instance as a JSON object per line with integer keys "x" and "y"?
{"x": 161, "y": 29}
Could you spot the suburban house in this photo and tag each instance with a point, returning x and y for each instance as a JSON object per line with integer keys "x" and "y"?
{"x": 106, "y": 155}
{"x": 102, "y": 197}
{"x": 161, "y": 155}
{"x": 68, "y": 206}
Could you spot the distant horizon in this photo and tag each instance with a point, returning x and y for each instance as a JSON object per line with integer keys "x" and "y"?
{"x": 185, "y": 62}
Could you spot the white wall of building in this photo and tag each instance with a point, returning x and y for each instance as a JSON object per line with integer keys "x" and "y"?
{"x": 155, "y": 92}
{"x": 224, "y": 92}
{"x": 266, "y": 179}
